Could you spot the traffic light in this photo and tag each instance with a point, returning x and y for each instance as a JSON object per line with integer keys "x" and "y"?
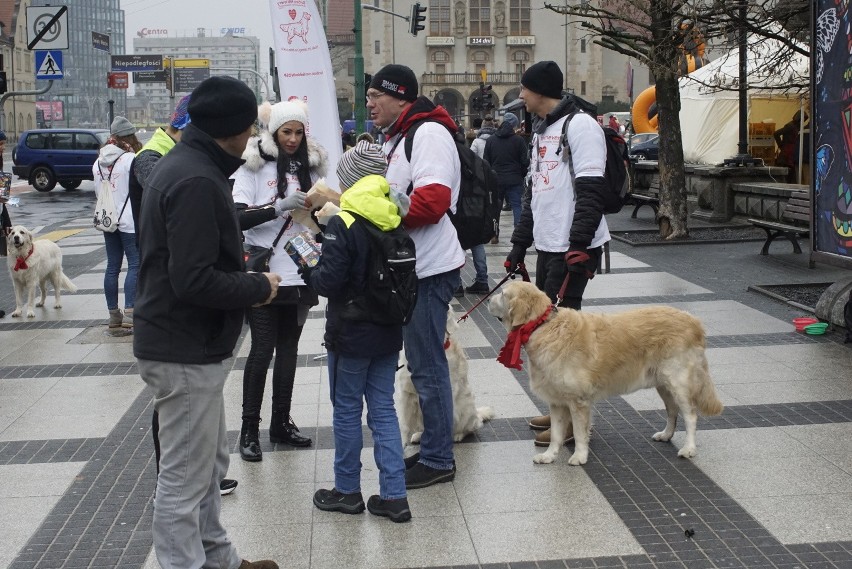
{"x": 485, "y": 94}
{"x": 414, "y": 20}
{"x": 2, "y": 82}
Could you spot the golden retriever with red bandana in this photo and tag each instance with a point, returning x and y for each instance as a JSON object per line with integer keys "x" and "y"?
{"x": 577, "y": 358}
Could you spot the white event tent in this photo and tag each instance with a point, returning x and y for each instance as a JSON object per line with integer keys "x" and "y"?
{"x": 709, "y": 117}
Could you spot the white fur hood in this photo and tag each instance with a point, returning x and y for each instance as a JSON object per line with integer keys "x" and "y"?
{"x": 317, "y": 155}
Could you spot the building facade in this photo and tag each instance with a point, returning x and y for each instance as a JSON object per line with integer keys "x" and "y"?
{"x": 83, "y": 89}
{"x": 230, "y": 53}
{"x": 463, "y": 39}
{"x": 16, "y": 61}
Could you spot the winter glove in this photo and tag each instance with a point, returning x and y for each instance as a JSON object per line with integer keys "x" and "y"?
{"x": 515, "y": 258}
{"x": 295, "y": 201}
{"x": 305, "y": 273}
{"x": 577, "y": 262}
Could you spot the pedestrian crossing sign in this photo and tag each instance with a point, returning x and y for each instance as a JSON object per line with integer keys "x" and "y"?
{"x": 49, "y": 64}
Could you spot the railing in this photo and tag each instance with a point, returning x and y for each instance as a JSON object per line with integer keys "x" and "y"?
{"x": 469, "y": 78}
{"x": 341, "y": 39}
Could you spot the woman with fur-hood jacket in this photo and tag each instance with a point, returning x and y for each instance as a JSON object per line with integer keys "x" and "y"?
{"x": 282, "y": 164}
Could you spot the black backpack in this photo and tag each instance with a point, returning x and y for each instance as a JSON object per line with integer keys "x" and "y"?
{"x": 478, "y": 207}
{"x": 390, "y": 290}
{"x": 617, "y": 165}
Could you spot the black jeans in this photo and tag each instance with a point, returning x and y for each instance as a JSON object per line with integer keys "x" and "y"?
{"x": 273, "y": 329}
{"x": 550, "y": 271}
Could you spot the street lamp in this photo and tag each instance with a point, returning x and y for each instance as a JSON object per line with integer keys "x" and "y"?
{"x": 255, "y": 48}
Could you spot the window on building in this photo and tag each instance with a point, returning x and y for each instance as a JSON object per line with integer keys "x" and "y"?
{"x": 519, "y": 17}
{"x": 440, "y": 56}
{"x": 582, "y": 46}
{"x": 480, "y": 56}
{"x": 480, "y": 17}
{"x": 520, "y": 58}
{"x": 582, "y": 87}
{"x": 377, "y": 47}
{"x": 439, "y": 17}
{"x": 440, "y": 68}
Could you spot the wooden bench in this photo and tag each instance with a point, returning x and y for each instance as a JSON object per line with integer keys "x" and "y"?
{"x": 795, "y": 222}
{"x": 638, "y": 200}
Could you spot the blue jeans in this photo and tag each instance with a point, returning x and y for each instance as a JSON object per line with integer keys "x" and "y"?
{"x": 119, "y": 245}
{"x": 354, "y": 379}
{"x": 513, "y": 198}
{"x": 424, "y": 349}
{"x": 479, "y": 263}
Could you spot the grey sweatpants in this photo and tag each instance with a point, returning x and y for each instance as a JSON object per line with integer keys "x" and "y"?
{"x": 194, "y": 460}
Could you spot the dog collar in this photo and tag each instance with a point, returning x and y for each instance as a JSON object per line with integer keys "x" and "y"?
{"x": 510, "y": 353}
{"x": 21, "y": 263}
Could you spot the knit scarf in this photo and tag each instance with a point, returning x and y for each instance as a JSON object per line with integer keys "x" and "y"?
{"x": 21, "y": 263}
{"x": 510, "y": 353}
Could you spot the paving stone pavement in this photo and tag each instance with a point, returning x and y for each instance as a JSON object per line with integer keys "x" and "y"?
{"x": 771, "y": 486}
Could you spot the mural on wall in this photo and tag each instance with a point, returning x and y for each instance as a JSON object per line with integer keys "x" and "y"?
{"x": 832, "y": 172}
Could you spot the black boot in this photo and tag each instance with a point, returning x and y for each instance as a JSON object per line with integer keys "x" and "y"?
{"x": 284, "y": 430}
{"x": 250, "y": 442}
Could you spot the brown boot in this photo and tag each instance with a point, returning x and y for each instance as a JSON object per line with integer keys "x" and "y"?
{"x": 265, "y": 564}
{"x": 541, "y": 423}
{"x": 543, "y": 438}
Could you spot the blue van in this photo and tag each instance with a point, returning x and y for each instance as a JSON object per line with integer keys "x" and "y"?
{"x": 44, "y": 157}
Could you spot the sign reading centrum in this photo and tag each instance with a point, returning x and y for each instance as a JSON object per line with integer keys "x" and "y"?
{"x": 136, "y": 62}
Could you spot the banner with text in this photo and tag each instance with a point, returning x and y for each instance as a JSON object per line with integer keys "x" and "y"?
{"x": 304, "y": 72}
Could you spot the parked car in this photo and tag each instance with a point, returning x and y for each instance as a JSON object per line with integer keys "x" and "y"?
{"x": 44, "y": 157}
{"x": 645, "y": 148}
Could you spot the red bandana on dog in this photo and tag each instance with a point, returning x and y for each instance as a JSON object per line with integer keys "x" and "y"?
{"x": 21, "y": 263}
{"x": 510, "y": 353}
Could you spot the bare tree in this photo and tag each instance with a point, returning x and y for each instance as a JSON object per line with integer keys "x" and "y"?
{"x": 663, "y": 35}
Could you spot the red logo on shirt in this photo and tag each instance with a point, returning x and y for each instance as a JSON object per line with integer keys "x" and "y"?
{"x": 542, "y": 150}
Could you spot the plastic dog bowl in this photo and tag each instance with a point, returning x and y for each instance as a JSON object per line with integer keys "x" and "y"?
{"x": 800, "y": 323}
{"x": 816, "y": 329}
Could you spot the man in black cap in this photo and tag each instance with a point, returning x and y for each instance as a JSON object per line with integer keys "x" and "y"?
{"x": 430, "y": 174}
{"x": 563, "y": 211}
{"x": 192, "y": 293}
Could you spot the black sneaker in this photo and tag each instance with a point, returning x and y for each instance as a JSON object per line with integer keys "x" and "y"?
{"x": 397, "y": 510}
{"x": 334, "y": 501}
{"x": 477, "y": 288}
{"x": 227, "y": 486}
{"x": 421, "y": 476}
{"x": 459, "y": 293}
{"x": 412, "y": 460}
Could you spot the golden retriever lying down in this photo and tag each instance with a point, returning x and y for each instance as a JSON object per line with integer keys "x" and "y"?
{"x": 577, "y": 358}
{"x": 467, "y": 417}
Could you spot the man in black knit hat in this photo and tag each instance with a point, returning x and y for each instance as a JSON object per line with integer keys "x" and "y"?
{"x": 430, "y": 174}
{"x": 192, "y": 293}
{"x": 563, "y": 211}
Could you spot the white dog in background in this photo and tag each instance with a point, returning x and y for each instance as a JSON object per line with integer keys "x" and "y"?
{"x": 34, "y": 263}
{"x": 467, "y": 417}
{"x": 578, "y": 358}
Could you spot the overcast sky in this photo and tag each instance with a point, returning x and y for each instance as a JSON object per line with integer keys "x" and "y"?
{"x": 182, "y": 17}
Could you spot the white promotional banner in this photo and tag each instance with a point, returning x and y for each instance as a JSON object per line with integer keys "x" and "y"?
{"x": 304, "y": 72}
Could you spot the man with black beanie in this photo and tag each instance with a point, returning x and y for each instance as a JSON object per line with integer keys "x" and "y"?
{"x": 192, "y": 293}
{"x": 563, "y": 211}
{"x": 430, "y": 172}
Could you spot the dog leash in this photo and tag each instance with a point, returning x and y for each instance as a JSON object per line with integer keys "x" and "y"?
{"x": 520, "y": 269}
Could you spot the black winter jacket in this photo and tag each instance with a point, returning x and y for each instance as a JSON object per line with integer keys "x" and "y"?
{"x": 589, "y": 191}
{"x": 508, "y": 155}
{"x": 192, "y": 289}
{"x": 342, "y": 271}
